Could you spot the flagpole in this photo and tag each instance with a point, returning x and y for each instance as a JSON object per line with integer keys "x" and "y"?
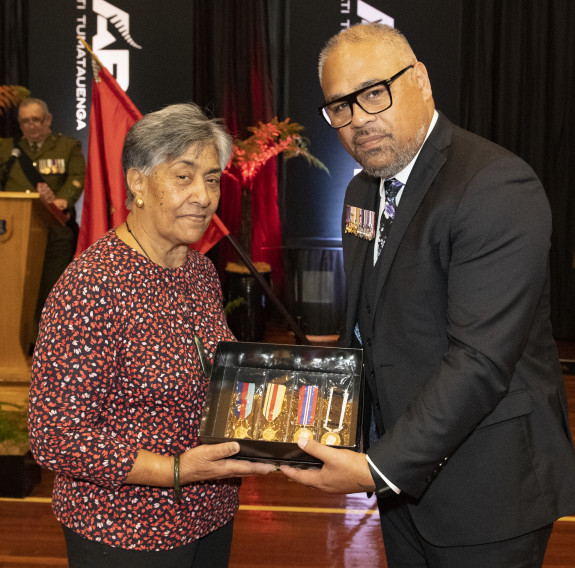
{"x": 268, "y": 290}
{"x": 89, "y": 49}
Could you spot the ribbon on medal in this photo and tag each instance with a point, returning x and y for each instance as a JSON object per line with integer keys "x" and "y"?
{"x": 244, "y": 400}
{"x": 273, "y": 401}
{"x": 307, "y": 405}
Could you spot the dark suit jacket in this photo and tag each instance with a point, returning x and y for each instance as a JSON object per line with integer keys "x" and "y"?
{"x": 461, "y": 365}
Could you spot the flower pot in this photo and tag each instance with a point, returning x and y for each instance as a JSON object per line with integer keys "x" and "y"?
{"x": 18, "y": 475}
{"x": 248, "y": 318}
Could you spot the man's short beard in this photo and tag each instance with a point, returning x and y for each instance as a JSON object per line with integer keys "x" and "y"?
{"x": 401, "y": 156}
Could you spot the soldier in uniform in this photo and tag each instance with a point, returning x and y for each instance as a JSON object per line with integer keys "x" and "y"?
{"x": 54, "y": 166}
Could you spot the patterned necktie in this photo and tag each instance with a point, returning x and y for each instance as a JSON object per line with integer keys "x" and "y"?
{"x": 392, "y": 187}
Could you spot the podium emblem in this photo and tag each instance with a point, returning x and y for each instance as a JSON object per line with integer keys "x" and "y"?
{"x": 6, "y": 228}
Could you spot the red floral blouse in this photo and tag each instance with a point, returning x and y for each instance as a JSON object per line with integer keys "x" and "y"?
{"x": 116, "y": 370}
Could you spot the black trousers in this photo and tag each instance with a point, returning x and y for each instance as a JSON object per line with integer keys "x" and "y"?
{"x": 405, "y": 548}
{"x": 60, "y": 250}
{"x": 211, "y": 551}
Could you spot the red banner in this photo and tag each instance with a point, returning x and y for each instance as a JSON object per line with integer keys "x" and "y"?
{"x": 111, "y": 116}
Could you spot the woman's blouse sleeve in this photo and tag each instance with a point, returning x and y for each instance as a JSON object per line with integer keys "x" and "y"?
{"x": 73, "y": 366}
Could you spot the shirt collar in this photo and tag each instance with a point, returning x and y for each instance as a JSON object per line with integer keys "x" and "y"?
{"x": 403, "y": 175}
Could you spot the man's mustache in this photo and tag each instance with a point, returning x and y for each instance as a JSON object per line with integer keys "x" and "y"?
{"x": 370, "y": 132}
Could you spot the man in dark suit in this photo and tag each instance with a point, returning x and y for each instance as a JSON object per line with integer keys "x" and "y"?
{"x": 471, "y": 454}
{"x": 54, "y": 166}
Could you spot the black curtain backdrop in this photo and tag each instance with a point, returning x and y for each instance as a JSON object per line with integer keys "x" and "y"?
{"x": 13, "y": 56}
{"x": 518, "y": 86}
{"x": 231, "y": 65}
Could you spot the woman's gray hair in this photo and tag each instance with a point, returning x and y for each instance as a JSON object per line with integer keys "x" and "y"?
{"x": 394, "y": 40}
{"x": 166, "y": 134}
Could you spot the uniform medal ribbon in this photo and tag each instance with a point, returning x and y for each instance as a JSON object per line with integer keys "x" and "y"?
{"x": 52, "y": 166}
{"x": 360, "y": 222}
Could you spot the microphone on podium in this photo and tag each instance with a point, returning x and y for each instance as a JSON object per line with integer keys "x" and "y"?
{"x": 7, "y": 165}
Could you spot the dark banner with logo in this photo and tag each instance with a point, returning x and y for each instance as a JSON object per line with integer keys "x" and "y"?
{"x": 146, "y": 45}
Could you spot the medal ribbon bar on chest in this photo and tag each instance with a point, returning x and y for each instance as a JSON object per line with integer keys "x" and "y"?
{"x": 360, "y": 222}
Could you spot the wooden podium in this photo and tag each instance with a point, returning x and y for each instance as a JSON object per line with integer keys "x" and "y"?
{"x": 25, "y": 219}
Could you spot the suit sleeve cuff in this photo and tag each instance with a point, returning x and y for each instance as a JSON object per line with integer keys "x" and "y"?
{"x": 383, "y": 486}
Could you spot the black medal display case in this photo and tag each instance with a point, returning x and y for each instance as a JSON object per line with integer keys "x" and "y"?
{"x": 267, "y": 396}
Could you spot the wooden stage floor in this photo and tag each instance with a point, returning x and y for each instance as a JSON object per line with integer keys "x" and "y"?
{"x": 280, "y": 524}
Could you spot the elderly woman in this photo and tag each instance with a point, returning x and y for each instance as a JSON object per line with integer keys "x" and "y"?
{"x": 117, "y": 389}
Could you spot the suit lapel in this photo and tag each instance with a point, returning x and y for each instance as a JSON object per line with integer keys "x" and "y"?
{"x": 362, "y": 194}
{"x": 426, "y": 168}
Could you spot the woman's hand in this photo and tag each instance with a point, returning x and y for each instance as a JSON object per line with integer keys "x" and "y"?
{"x": 198, "y": 464}
{"x": 208, "y": 462}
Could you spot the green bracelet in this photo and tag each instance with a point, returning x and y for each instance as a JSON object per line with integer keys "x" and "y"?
{"x": 177, "y": 486}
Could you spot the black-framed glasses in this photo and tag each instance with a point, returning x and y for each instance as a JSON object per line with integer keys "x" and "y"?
{"x": 372, "y": 99}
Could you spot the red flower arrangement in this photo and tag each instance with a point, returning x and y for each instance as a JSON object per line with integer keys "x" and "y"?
{"x": 267, "y": 141}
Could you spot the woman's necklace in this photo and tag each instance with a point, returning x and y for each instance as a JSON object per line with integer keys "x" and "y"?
{"x": 135, "y": 238}
{"x": 181, "y": 296}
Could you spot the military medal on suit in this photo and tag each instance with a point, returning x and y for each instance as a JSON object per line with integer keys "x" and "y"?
{"x": 360, "y": 222}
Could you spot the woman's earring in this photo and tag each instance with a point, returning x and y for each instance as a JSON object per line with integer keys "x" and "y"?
{"x": 139, "y": 202}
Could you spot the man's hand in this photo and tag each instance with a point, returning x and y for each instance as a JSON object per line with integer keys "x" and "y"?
{"x": 45, "y": 192}
{"x": 48, "y": 195}
{"x": 61, "y": 204}
{"x": 343, "y": 471}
